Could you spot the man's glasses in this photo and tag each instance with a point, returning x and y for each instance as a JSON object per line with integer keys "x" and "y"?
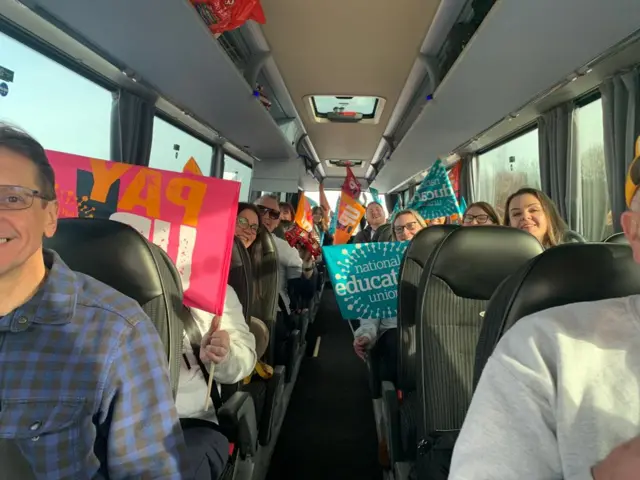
{"x": 273, "y": 214}
{"x": 14, "y": 197}
{"x": 244, "y": 223}
{"x": 411, "y": 226}
{"x": 479, "y": 218}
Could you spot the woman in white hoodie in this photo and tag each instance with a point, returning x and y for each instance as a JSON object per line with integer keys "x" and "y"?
{"x": 227, "y": 346}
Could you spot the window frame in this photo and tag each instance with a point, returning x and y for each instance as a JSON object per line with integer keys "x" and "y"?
{"x": 56, "y": 55}
{"x": 185, "y": 129}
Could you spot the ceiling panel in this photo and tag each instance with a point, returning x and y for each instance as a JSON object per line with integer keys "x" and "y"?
{"x": 355, "y": 47}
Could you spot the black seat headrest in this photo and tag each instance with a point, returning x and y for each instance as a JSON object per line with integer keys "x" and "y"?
{"x": 111, "y": 252}
{"x": 566, "y": 274}
{"x": 473, "y": 261}
{"x": 425, "y": 241}
{"x": 617, "y": 238}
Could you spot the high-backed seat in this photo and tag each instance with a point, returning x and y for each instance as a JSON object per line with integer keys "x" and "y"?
{"x": 617, "y": 238}
{"x": 116, "y": 254}
{"x": 457, "y": 282}
{"x": 413, "y": 263}
{"x": 562, "y": 275}
{"x": 267, "y": 395}
{"x": 241, "y": 276}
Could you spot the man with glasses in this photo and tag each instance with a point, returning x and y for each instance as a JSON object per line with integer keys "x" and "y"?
{"x": 84, "y": 384}
{"x": 291, "y": 264}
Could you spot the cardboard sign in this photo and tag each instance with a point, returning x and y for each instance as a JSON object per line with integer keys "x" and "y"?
{"x": 365, "y": 278}
{"x": 192, "y": 219}
{"x": 350, "y": 212}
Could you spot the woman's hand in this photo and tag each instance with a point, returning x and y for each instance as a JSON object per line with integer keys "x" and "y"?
{"x": 215, "y": 344}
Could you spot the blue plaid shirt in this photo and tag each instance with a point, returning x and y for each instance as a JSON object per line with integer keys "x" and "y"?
{"x": 84, "y": 385}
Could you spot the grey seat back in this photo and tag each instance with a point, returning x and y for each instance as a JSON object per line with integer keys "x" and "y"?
{"x": 617, "y": 238}
{"x": 267, "y": 281}
{"x": 457, "y": 282}
{"x": 413, "y": 263}
{"x": 241, "y": 277}
{"x": 117, "y": 255}
{"x": 562, "y": 275}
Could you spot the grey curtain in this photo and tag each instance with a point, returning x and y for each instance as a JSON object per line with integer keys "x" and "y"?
{"x": 466, "y": 182}
{"x": 556, "y": 158}
{"x": 621, "y": 116}
{"x": 131, "y": 128}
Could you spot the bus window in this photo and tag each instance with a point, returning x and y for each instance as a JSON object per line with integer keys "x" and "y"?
{"x": 235, "y": 170}
{"x": 506, "y": 168}
{"x": 172, "y": 148}
{"x": 594, "y": 197}
{"x": 63, "y": 110}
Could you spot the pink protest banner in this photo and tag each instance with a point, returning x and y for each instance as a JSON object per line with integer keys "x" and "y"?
{"x": 192, "y": 218}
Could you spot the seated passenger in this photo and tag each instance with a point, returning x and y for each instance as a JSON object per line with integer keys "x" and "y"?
{"x": 82, "y": 355}
{"x": 480, "y": 213}
{"x": 292, "y": 265}
{"x": 382, "y": 334}
{"x": 321, "y": 226}
{"x": 375, "y": 217}
{"x": 559, "y": 396}
{"x": 248, "y": 225}
{"x": 287, "y": 214}
{"x": 533, "y": 211}
{"x": 228, "y": 344}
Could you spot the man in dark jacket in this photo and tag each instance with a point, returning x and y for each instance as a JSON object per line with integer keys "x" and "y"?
{"x": 375, "y": 217}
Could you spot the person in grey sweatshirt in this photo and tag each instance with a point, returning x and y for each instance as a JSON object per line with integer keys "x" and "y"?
{"x": 560, "y": 396}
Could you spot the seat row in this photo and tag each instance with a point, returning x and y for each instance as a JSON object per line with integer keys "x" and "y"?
{"x": 460, "y": 290}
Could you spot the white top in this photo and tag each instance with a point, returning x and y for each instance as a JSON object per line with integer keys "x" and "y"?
{"x": 290, "y": 265}
{"x": 561, "y": 390}
{"x": 374, "y": 328}
{"x": 240, "y": 362}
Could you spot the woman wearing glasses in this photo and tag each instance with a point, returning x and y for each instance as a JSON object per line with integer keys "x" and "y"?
{"x": 406, "y": 224}
{"x": 480, "y": 213}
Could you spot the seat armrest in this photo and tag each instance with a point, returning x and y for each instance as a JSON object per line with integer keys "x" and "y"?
{"x": 391, "y": 409}
{"x": 275, "y": 391}
{"x": 237, "y": 419}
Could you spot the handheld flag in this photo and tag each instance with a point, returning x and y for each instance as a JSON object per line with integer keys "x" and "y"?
{"x": 435, "y": 196}
{"x": 192, "y": 167}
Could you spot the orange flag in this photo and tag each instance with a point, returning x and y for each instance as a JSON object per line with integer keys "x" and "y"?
{"x": 192, "y": 167}
{"x": 350, "y": 212}
{"x": 304, "y": 218}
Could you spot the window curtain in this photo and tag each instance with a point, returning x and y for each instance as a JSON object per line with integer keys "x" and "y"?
{"x": 621, "y": 118}
{"x": 131, "y": 128}
{"x": 558, "y": 175}
{"x": 466, "y": 180}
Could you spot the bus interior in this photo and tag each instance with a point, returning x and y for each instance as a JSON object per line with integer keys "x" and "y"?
{"x": 543, "y": 94}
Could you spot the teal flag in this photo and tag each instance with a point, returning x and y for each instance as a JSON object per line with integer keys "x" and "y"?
{"x": 376, "y": 195}
{"x": 365, "y": 278}
{"x": 435, "y": 197}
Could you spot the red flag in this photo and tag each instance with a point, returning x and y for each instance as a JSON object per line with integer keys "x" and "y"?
{"x": 351, "y": 186}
